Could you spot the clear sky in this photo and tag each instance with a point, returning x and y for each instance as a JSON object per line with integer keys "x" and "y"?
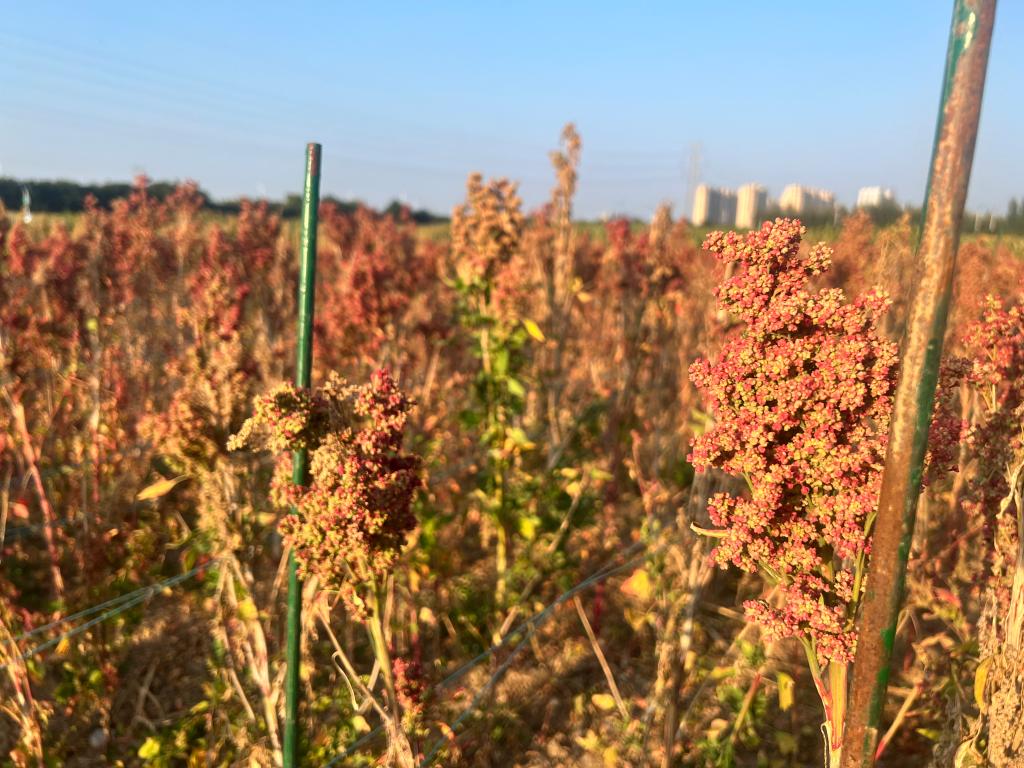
{"x": 407, "y": 98}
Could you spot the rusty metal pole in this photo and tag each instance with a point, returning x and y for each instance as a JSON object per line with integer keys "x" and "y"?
{"x": 952, "y": 154}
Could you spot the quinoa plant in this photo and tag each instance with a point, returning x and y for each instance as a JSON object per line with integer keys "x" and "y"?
{"x": 802, "y": 394}
{"x": 486, "y": 232}
{"x": 348, "y": 527}
{"x": 995, "y": 497}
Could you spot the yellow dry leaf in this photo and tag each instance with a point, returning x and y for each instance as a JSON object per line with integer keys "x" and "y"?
{"x": 247, "y": 610}
{"x": 638, "y": 585}
{"x": 590, "y": 742}
{"x": 603, "y": 701}
{"x": 159, "y": 488}
{"x": 635, "y": 619}
{"x": 577, "y": 704}
{"x": 528, "y": 527}
{"x": 714, "y": 534}
{"x": 63, "y": 646}
{"x": 610, "y": 757}
{"x": 980, "y": 678}
{"x": 150, "y": 748}
{"x": 533, "y": 329}
{"x": 785, "y": 691}
{"x": 360, "y": 724}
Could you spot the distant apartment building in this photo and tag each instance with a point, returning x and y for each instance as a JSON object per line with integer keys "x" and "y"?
{"x": 716, "y": 207}
{"x": 872, "y": 197}
{"x": 751, "y": 202}
{"x": 806, "y": 201}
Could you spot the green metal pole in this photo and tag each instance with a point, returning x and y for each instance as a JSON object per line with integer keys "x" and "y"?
{"x": 952, "y": 155}
{"x": 300, "y": 460}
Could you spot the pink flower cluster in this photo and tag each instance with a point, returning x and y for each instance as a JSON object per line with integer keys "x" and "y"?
{"x": 801, "y": 395}
{"x": 350, "y": 524}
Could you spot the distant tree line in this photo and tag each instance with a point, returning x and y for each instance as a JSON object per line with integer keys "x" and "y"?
{"x": 1013, "y": 223}
{"x": 882, "y": 215}
{"x": 70, "y": 196}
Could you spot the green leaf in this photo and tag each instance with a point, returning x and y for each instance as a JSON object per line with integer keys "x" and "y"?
{"x": 470, "y": 418}
{"x": 519, "y": 438}
{"x": 515, "y": 388}
{"x": 787, "y": 743}
{"x": 499, "y": 362}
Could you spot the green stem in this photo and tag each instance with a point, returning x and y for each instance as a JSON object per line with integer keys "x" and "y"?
{"x": 381, "y": 652}
{"x": 502, "y": 564}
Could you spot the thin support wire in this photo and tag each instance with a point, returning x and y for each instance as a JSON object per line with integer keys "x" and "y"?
{"x": 110, "y": 609}
{"x": 529, "y": 626}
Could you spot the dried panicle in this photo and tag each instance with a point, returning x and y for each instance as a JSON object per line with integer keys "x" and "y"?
{"x": 349, "y": 525}
{"x": 288, "y": 418}
{"x": 374, "y": 269}
{"x": 987, "y": 271}
{"x": 995, "y": 349}
{"x": 486, "y": 229}
{"x": 998, "y": 351}
{"x": 565, "y": 163}
{"x": 801, "y": 396}
{"x": 855, "y": 256}
{"x": 661, "y": 225}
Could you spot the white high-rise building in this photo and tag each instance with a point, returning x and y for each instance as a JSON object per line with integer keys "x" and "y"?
{"x": 716, "y": 207}
{"x": 751, "y": 201}
{"x": 804, "y": 201}
{"x": 872, "y": 197}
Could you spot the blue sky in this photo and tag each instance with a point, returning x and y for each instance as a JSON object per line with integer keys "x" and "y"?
{"x": 407, "y": 98}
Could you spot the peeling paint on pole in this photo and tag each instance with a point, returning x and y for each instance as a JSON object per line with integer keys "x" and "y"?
{"x": 952, "y": 155}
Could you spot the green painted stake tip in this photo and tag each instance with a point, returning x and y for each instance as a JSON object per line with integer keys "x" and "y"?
{"x": 300, "y": 460}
